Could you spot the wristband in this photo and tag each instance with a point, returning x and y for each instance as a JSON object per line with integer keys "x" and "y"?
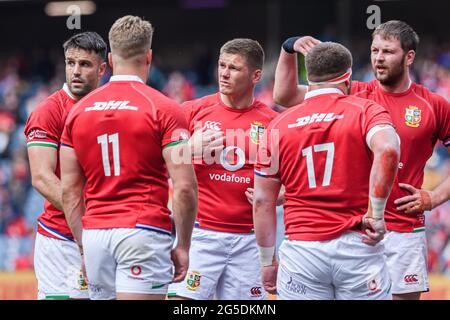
{"x": 377, "y": 206}
{"x": 266, "y": 255}
{"x": 426, "y": 200}
{"x": 288, "y": 45}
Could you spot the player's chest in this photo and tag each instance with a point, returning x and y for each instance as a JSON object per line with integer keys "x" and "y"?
{"x": 237, "y": 128}
{"x": 414, "y": 121}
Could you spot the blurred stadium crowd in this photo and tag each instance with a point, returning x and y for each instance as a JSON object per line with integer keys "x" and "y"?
{"x": 26, "y": 78}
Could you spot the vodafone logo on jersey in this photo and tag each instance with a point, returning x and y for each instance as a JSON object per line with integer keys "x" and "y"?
{"x": 232, "y": 158}
{"x": 316, "y": 117}
{"x": 111, "y": 105}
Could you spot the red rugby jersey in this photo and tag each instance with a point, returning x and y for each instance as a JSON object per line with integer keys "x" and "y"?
{"x": 420, "y": 118}
{"x": 223, "y": 205}
{"x": 44, "y": 128}
{"x": 118, "y": 133}
{"x": 324, "y": 162}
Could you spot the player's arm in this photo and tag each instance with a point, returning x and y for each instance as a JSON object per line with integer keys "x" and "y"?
{"x": 264, "y": 218}
{"x": 72, "y": 181}
{"x": 385, "y": 145}
{"x": 423, "y": 200}
{"x": 43, "y": 162}
{"x": 184, "y": 204}
{"x": 280, "y": 200}
{"x": 286, "y": 91}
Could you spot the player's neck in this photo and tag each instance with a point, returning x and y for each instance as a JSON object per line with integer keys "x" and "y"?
{"x": 401, "y": 86}
{"x": 130, "y": 71}
{"x": 238, "y": 102}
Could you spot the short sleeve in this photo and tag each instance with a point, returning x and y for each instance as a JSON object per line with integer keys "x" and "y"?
{"x": 188, "y": 111}
{"x": 173, "y": 125}
{"x": 44, "y": 125}
{"x": 375, "y": 114}
{"x": 267, "y": 159}
{"x": 66, "y": 137}
{"x": 358, "y": 86}
{"x": 442, "y": 108}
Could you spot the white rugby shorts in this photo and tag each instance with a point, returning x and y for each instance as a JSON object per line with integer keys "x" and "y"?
{"x": 406, "y": 257}
{"x": 57, "y": 265}
{"x": 222, "y": 265}
{"x": 127, "y": 260}
{"x": 343, "y": 269}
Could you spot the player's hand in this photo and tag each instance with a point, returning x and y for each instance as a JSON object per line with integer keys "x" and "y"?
{"x": 269, "y": 278}
{"x": 249, "y": 195}
{"x": 180, "y": 259}
{"x": 206, "y": 140}
{"x": 305, "y": 44}
{"x": 418, "y": 201}
{"x": 374, "y": 230}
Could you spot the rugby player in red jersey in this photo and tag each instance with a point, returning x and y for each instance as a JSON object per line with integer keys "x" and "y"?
{"x": 421, "y": 118}
{"x": 57, "y": 260}
{"x": 338, "y": 157}
{"x": 224, "y": 256}
{"x": 119, "y": 146}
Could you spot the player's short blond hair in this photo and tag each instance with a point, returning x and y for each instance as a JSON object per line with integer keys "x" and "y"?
{"x": 130, "y": 36}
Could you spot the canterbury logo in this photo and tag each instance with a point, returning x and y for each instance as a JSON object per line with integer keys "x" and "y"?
{"x": 411, "y": 278}
{"x": 255, "y": 291}
{"x": 213, "y": 125}
{"x": 316, "y": 117}
{"x": 111, "y": 105}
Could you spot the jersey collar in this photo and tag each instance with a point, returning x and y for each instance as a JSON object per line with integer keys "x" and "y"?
{"x": 123, "y": 77}
{"x": 317, "y": 92}
{"x": 67, "y": 91}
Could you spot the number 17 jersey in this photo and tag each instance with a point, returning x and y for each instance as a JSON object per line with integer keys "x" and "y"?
{"x": 324, "y": 162}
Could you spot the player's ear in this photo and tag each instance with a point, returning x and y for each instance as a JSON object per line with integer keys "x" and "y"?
{"x": 101, "y": 70}
{"x": 110, "y": 59}
{"x": 410, "y": 55}
{"x": 257, "y": 74}
{"x": 149, "y": 56}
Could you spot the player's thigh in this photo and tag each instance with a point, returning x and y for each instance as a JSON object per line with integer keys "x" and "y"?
{"x": 406, "y": 255}
{"x": 241, "y": 279}
{"x": 304, "y": 271}
{"x": 57, "y": 265}
{"x": 100, "y": 264}
{"x": 360, "y": 271}
{"x": 207, "y": 261}
{"x": 144, "y": 265}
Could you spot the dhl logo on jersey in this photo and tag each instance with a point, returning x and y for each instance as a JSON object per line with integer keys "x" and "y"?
{"x": 316, "y": 117}
{"x": 413, "y": 115}
{"x": 111, "y": 105}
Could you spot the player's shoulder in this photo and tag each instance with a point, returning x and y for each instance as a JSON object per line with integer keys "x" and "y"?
{"x": 203, "y": 102}
{"x": 265, "y": 110}
{"x": 53, "y": 104}
{"x": 363, "y": 89}
{"x": 432, "y": 98}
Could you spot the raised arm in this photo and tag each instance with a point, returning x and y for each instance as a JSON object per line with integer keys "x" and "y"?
{"x": 286, "y": 91}
{"x": 184, "y": 204}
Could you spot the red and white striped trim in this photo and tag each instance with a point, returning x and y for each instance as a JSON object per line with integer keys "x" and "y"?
{"x": 342, "y": 78}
